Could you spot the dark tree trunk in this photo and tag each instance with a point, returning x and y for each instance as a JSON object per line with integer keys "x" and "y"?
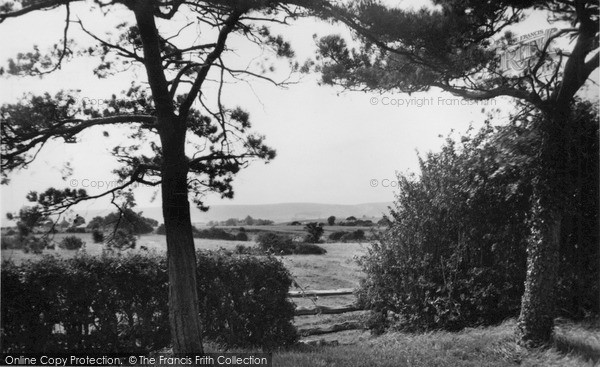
{"x": 184, "y": 311}
{"x": 536, "y": 321}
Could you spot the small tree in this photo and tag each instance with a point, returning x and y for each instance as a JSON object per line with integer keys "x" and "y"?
{"x": 249, "y": 221}
{"x": 71, "y": 243}
{"x": 97, "y": 236}
{"x": 315, "y": 231}
{"x": 331, "y": 220}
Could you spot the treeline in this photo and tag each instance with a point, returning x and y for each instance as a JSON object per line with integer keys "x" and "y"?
{"x": 350, "y": 222}
{"x": 455, "y": 253}
{"x": 234, "y": 222}
{"x": 126, "y": 219}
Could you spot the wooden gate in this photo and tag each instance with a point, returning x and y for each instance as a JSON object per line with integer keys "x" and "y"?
{"x": 324, "y": 310}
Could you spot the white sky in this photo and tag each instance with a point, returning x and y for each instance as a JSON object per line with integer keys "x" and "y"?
{"x": 330, "y": 145}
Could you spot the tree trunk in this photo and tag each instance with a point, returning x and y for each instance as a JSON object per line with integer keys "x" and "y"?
{"x": 184, "y": 311}
{"x": 536, "y": 321}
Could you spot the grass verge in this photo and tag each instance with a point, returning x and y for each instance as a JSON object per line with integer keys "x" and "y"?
{"x": 575, "y": 345}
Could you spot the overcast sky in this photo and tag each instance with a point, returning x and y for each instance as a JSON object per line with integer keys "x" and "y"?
{"x": 333, "y": 147}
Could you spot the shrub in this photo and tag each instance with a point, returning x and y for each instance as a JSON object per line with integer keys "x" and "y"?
{"x": 455, "y": 252}
{"x": 122, "y": 239}
{"x": 245, "y": 300}
{"x": 71, "y": 243}
{"x": 97, "y": 236}
{"x": 314, "y": 232}
{"x": 248, "y": 250}
{"x": 75, "y": 230}
{"x": 219, "y": 234}
{"x": 344, "y": 236}
{"x": 161, "y": 229}
{"x": 33, "y": 244}
{"x": 309, "y": 249}
{"x": 120, "y": 303}
{"x": 128, "y": 221}
{"x": 241, "y": 236}
{"x": 29, "y": 243}
{"x": 275, "y": 243}
{"x": 337, "y": 236}
{"x": 357, "y": 235}
{"x": 9, "y": 242}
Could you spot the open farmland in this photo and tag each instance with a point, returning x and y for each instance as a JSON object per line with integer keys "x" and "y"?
{"x": 335, "y": 269}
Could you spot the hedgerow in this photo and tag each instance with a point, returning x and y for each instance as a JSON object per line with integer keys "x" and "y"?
{"x": 120, "y": 303}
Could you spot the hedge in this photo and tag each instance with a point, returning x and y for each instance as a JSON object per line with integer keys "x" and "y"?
{"x": 120, "y": 303}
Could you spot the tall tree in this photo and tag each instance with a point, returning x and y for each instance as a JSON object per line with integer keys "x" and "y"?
{"x": 462, "y": 47}
{"x": 180, "y": 137}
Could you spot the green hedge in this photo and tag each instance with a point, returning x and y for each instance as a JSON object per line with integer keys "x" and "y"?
{"x": 120, "y": 303}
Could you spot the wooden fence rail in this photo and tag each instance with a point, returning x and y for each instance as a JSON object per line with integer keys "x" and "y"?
{"x": 324, "y": 310}
{"x": 321, "y": 293}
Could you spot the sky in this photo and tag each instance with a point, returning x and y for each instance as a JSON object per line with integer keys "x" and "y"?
{"x": 332, "y": 146}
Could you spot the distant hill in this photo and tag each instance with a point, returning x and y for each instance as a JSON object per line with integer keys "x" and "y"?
{"x": 284, "y": 212}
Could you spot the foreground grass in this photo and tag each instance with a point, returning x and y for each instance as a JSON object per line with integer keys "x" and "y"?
{"x": 575, "y": 345}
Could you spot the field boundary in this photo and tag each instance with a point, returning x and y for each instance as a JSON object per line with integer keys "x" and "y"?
{"x": 324, "y": 310}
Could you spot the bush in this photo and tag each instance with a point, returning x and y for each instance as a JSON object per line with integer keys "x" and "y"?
{"x": 120, "y": 303}
{"x": 97, "y": 236}
{"x": 245, "y": 300}
{"x": 358, "y": 235}
{"x": 33, "y": 244}
{"x": 248, "y": 250}
{"x": 337, "y": 236}
{"x": 122, "y": 239}
{"x": 273, "y": 243}
{"x": 270, "y": 242}
{"x": 454, "y": 255}
{"x": 9, "y": 242}
{"x": 71, "y": 243}
{"x": 314, "y": 232}
{"x": 161, "y": 229}
{"x": 128, "y": 221}
{"x": 309, "y": 249}
{"x": 75, "y": 230}
{"x": 219, "y": 234}
{"x": 241, "y": 236}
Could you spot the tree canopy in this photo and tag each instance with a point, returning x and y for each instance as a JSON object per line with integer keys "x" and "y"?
{"x": 458, "y": 45}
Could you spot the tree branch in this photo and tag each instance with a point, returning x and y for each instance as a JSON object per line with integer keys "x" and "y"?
{"x": 38, "y": 5}
{"x": 210, "y": 59}
{"x": 66, "y": 132}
